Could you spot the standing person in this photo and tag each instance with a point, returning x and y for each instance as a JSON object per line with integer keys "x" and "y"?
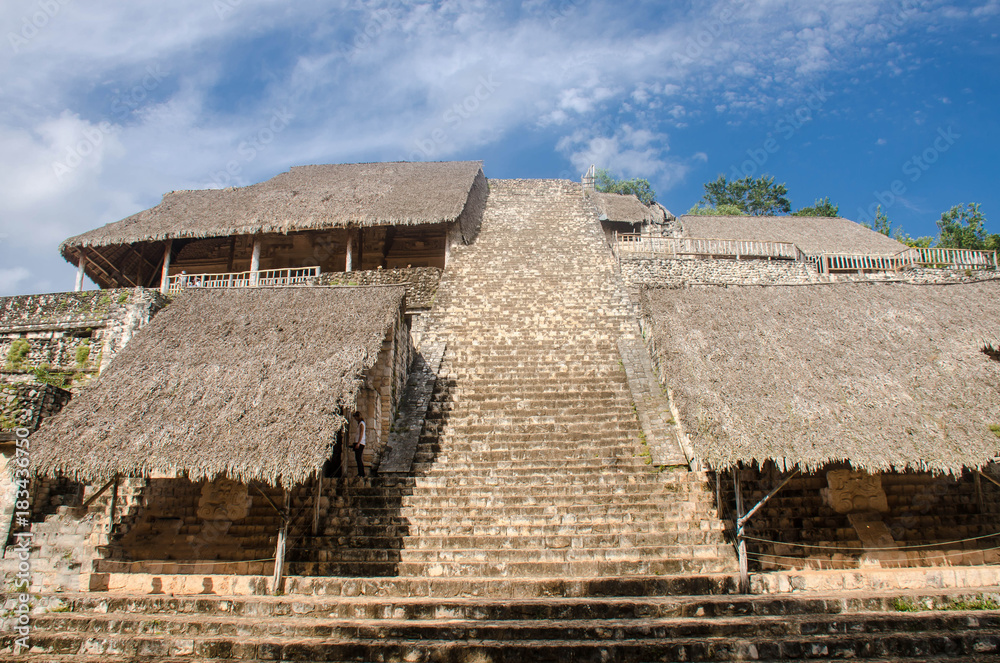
{"x": 359, "y": 445}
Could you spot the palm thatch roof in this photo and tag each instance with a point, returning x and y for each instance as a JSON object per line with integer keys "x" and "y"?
{"x": 880, "y": 375}
{"x": 248, "y": 383}
{"x": 628, "y": 208}
{"x": 304, "y": 198}
{"x": 812, "y": 234}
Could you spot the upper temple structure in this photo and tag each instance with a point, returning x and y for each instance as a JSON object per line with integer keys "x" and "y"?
{"x": 592, "y": 430}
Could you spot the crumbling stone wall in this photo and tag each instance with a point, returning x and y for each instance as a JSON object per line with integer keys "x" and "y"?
{"x": 72, "y": 335}
{"x": 421, "y": 282}
{"x": 27, "y": 405}
{"x": 683, "y": 271}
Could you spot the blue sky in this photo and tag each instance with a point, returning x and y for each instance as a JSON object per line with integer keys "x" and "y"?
{"x": 105, "y": 106}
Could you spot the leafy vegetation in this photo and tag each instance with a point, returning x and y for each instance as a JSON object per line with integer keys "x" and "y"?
{"x": 44, "y": 375}
{"x": 822, "y": 207}
{"x": 758, "y": 196}
{"x": 17, "y": 354}
{"x": 996, "y": 429}
{"x": 964, "y": 227}
{"x": 606, "y": 182}
{"x": 82, "y": 354}
{"x": 981, "y": 602}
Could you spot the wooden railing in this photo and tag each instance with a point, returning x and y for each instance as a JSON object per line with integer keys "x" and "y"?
{"x": 262, "y": 278}
{"x": 850, "y": 262}
{"x": 961, "y": 258}
{"x": 644, "y": 245}
{"x": 628, "y": 244}
{"x": 922, "y": 257}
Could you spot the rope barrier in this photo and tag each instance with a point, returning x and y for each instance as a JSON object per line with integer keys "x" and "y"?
{"x": 804, "y": 561}
{"x": 855, "y": 548}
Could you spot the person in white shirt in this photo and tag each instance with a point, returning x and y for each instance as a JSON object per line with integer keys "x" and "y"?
{"x": 359, "y": 445}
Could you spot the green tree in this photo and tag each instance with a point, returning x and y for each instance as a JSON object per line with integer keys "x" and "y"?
{"x": 963, "y": 227}
{"x": 880, "y": 224}
{"x": 721, "y": 210}
{"x": 822, "y": 207}
{"x": 606, "y": 182}
{"x": 924, "y": 242}
{"x": 754, "y": 196}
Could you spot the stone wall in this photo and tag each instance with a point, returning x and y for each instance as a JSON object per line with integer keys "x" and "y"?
{"x": 27, "y": 405}
{"x": 70, "y": 335}
{"x": 656, "y": 272}
{"x": 421, "y": 282}
{"x": 924, "y": 520}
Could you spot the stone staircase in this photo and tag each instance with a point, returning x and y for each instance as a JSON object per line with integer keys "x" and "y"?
{"x": 531, "y": 525}
{"x": 602, "y": 626}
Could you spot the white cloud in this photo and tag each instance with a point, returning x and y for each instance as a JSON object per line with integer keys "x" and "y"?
{"x": 11, "y": 279}
{"x": 376, "y": 80}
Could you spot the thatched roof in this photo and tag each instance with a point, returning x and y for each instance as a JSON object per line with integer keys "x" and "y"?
{"x": 881, "y": 375}
{"x": 242, "y": 382}
{"x": 812, "y": 234}
{"x": 304, "y": 198}
{"x": 621, "y": 208}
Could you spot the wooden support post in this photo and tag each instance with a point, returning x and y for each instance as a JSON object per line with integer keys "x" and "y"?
{"x": 349, "y": 259}
{"x": 81, "y": 267}
{"x": 255, "y": 262}
{"x": 232, "y": 254}
{"x": 165, "y": 272}
{"x": 114, "y": 506}
{"x": 979, "y": 492}
{"x": 279, "y": 553}
{"x": 741, "y": 543}
{"x": 316, "y": 501}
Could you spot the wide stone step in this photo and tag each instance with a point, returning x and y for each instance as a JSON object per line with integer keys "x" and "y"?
{"x": 691, "y": 601}
{"x": 421, "y": 541}
{"x": 525, "y": 569}
{"x": 757, "y": 628}
{"x": 580, "y": 641}
{"x": 525, "y": 556}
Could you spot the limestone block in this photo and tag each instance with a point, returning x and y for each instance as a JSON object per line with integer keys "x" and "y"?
{"x": 850, "y": 492}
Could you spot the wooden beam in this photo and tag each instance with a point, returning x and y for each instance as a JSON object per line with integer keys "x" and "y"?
{"x": 92, "y": 498}
{"x": 232, "y": 254}
{"x": 108, "y": 279}
{"x": 115, "y": 273}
